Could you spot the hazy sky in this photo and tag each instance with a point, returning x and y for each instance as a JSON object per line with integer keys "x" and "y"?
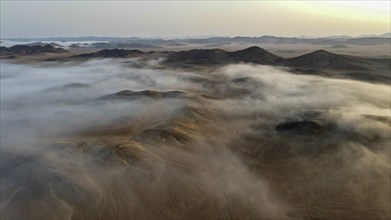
{"x": 179, "y": 18}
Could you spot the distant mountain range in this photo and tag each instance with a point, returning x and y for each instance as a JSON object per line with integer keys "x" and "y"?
{"x": 30, "y": 50}
{"x": 320, "y": 62}
{"x": 137, "y": 42}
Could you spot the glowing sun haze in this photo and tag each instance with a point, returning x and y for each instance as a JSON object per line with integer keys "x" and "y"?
{"x": 176, "y": 19}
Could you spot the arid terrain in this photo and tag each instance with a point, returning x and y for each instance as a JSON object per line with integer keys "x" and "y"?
{"x": 219, "y": 132}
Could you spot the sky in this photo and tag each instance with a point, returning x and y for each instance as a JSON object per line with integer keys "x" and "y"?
{"x": 192, "y": 18}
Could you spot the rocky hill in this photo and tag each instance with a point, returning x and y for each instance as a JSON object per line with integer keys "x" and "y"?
{"x": 111, "y": 53}
{"x": 30, "y": 50}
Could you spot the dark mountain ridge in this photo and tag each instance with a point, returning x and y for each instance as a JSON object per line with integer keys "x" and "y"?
{"x": 137, "y": 42}
{"x": 322, "y": 59}
{"x": 320, "y": 62}
{"x": 30, "y": 49}
{"x": 111, "y": 53}
{"x": 218, "y": 56}
{"x": 255, "y": 55}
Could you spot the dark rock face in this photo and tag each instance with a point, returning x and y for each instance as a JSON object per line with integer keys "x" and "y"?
{"x": 30, "y": 50}
{"x": 306, "y": 127}
{"x": 112, "y": 53}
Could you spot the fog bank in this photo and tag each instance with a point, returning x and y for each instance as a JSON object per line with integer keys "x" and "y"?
{"x": 239, "y": 142}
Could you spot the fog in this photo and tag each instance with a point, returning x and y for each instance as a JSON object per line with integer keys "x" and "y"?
{"x": 211, "y": 151}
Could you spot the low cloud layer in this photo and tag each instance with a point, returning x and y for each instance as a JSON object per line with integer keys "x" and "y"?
{"x": 214, "y": 151}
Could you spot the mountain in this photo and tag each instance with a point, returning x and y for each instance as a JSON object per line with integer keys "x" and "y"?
{"x": 255, "y": 55}
{"x": 111, "y": 53}
{"x": 339, "y": 46}
{"x": 339, "y": 37}
{"x": 199, "y": 56}
{"x": 386, "y": 35}
{"x": 322, "y": 59}
{"x": 322, "y": 62}
{"x": 218, "y": 56}
{"x": 368, "y": 41}
{"x": 44, "y": 44}
{"x": 137, "y": 42}
{"x": 5, "y": 51}
{"x": 30, "y": 50}
{"x": 112, "y": 45}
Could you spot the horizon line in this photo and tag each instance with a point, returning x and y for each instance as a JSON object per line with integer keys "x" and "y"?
{"x": 201, "y": 36}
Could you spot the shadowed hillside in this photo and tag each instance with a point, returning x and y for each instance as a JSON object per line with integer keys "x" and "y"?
{"x": 217, "y": 56}
{"x": 111, "y": 53}
{"x": 30, "y": 50}
{"x": 319, "y": 62}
